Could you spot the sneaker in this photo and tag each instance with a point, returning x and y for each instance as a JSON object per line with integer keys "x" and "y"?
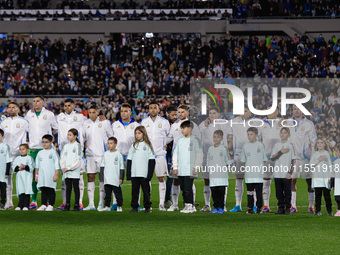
{"x": 161, "y": 208}
{"x": 280, "y": 211}
{"x": 33, "y": 206}
{"x": 220, "y": 210}
{"x": 105, "y": 209}
{"x": 167, "y": 204}
{"x": 265, "y": 209}
{"x": 101, "y": 206}
{"x": 173, "y": 208}
{"x": 255, "y": 209}
{"x": 113, "y": 207}
{"x": 81, "y": 207}
{"x": 185, "y": 209}
{"x": 215, "y": 210}
{"x": 318, "y": 213}
{"x": 206, "y": 208}
{"x": 134, "y": 210}
{"x": 49, "y": 208}
{"x": 287, "y": 211}
{"x": 25, "y": 209}
{"x": 2, "y": 207}
{"x": 192, "y": 208}
{"x": 119, "y": 209}
{"x": 61, "y": 207}
{"x": 140, "y": 208}
{"x": 9, "y": 206}
{"x": 42, "y": 208}
{"x": 293, "y": 209}
{"x": 76, "y": 208}
{"x": 18, "y": 209}
{"x": 66, "y": 207}
{"x": 236, "y": 208}
{"x": 148, "y": 210}
{"x": 90, "y": 208}
{"x": 250, "y": 212}
{"x": 330, "y": 214}
{"x": 311, "y": 210}
{"x": 337, "y": 214}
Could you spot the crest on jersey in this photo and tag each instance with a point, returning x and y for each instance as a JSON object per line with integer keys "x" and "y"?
{"x": 65, "y": 154}
{"x": 50, "y": 156}
{"x": 45, "y": 117}
{"x": 132, "y": 126}
{"x": 144, "y": 148}
{"x": 258, "y": 149}
{"x": 148, "y": 126}
{"x": 88, "y": 126}
{"x": 191, "y": 146}
{"x": 118, "y": 127}
{"x": 211, "y": 157}
{"x": 116, "y": 160}
{"x": 100, "y": 125}
{"x": 302, "y": 128}
{"x": 160, "y": 125}
{"x": 176, "y": 129}
{"x": 221, "y": 154}
{"x": 40, "y": 159}
{"x": 74, "y": 150}
{"x": 2, "y": 151}
{"x": 75, "y": 118}
{"x": 6, "y": 127}
{"x": 248, "y": 154}
{"x": 18, "y": 125}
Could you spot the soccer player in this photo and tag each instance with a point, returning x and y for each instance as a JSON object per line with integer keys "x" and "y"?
{"x": 336, "y": 175}
{"x": 23, "y": 166}
{"x": 5, "y": 165}
{"x": 70, "y": 160}
{"x": 140, "y": 167}
{"x": 15, "y": 129}
{"x": 124, "y": 132}
{"x": 303, "y": 137}
{"x": 270, "y": 135}
{"x": 208, "y": 127}
{"x": 253, "y": 157}
{"x": 283, "y": 156}
{"x": 96, "y": 134}
{"x": 187, "y": 155}
{"x": 67, "y": 120}
{"x": 40, "y": 122}
{"x": 112, "y": 168}
{"x": 46, "y": 173}
{"x": 158, "y": 129}
{"x": 218, "y": 159}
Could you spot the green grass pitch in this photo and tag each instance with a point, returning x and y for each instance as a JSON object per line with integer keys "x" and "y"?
{"x": 170, "y": 232}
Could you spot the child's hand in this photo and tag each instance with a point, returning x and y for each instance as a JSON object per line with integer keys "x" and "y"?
{"x": 194, "y": 171}
{"x": 36, "y": 178}
{"x": 175, "y": 171}
{"x": 6, "y": 176}
{"x": 329, "y": 181}
{"x": 321, "y": 158}
{"x": 55, "y": 178}
{"x": 120, "y": 181}
{"x": 64, "y": 170}
{"x": 288, "y": 176}
{"x": 284, "y": 150}
{"x": 22, "y": 167}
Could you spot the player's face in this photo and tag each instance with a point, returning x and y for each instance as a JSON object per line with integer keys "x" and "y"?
{"x": 153, "y": 110}
{"x": 284, "y": 135}
{"x": 23, "y": 151}
{"x": 71, "y": 137}
{"x": 273, "y": 115}
{"x": 320, "y": 145}
{"x": 38, "y": 104}
{"x": 213, "y": 115}
{"x": 125, "y": 113}
{"x": 13, "y": 110}
{"x": 246, "y": 114}
{"x": 182, "y": 114}
{"x": 139, "y": 136}
{"x": 1, "y": 138}
{"x": 297, "y": 112}
{"x": 111, "y": 144}
{"x": 68, "y": 107}
{"x": 217, "y": 139}
{"x": 186, "y": 131}
{"x": 46, "y": 144}
{"x": 172, "y": 116}
{"x": 251, "y": 136}
{"x": 93, "y": 114}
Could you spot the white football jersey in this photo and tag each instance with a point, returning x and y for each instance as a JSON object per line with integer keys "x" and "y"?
{"x": 125, "y": 135}
{"x": 270, "y": 135}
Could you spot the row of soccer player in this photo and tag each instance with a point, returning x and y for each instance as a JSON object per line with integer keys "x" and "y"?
{"x": 95, "y": 133}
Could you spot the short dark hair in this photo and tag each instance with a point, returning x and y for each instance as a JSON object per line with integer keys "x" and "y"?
{"x": 16, "y": 104}
{"x": 69, "y": 100}
{"x": 253, "y": 129}
{"x": 184, "y": 107}
{"x": 125, "y": 105}
{"x": 2, "y": 132}
{"x": 285, "y": 128}
{"x": 171, "y": 108}
{"x": 24, "y": 145}
{"x": 216, "y": 108}
{"x": 93, "y": 107}
{"x": 48, "y": 137}
{"x": 153, "y": 102}
{"x": 39, "y": 96}
{"x": 218, "y": 132}
{"x": 114, "y": 139}
{"x": 186, "y": 124}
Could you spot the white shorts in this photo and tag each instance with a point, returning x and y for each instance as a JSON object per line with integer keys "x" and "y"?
{"x": 161, "y": 168}
{"x": 93, "y": 165}
{"x": 269, "y": 174}
{"x": 300, "y": 169}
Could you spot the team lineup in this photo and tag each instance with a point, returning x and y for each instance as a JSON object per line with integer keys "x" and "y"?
{"x": 177, "y": 150}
